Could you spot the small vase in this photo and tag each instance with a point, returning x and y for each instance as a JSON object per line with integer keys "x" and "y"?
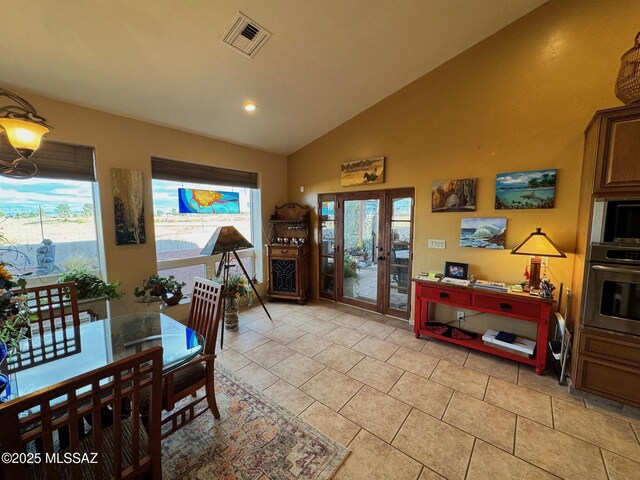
{"x": 173, "y": 299}
{"x": 231, "y": 314}
{"x": 4, "y": 380}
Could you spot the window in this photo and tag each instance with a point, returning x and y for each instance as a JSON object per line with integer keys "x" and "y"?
{"x": 48, "y": 226}
{"x": 181, "y": 236}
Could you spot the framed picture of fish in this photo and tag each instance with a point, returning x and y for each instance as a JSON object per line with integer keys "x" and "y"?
{"x": 362, "y": 172}
{"x": 454, "y": 195}
{"x": 521, "y": 190}
{"x": 483, "y": 232}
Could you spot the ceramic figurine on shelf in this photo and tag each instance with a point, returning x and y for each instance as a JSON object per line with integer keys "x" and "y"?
{"x": 546, "y": 288}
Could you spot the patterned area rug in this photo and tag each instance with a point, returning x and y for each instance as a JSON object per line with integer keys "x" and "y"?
{"x": 254, "y": 439}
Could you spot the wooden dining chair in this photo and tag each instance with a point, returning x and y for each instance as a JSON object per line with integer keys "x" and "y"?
{"x": 186, "y": 380}
{"x": 97, "y": 413}
{"x": 55, "y": 333}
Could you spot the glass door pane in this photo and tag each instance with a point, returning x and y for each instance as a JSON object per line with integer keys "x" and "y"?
{"x": 400, "y": 254}
{"x": 360, "y": 250}
{"x": 326, "y": 210}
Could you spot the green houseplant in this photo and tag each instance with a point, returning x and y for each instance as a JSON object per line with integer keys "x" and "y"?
{"x": 167, "y": 289}
{"x": 89, "y": 285}
{"x": 236, "y": 289}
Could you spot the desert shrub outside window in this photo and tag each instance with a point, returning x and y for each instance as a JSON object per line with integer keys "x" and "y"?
{"x": 48, "y": 227}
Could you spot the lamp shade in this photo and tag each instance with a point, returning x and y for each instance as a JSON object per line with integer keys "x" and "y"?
{"x": 225, "y": 239}
{"x": 24, "y": 136}
{"x": 538, "y": 244}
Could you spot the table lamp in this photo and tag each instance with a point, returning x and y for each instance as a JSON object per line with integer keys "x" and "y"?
{"x": 537, "y": 245}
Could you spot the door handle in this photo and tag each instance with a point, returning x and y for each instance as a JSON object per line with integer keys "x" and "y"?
{"x": 381, "y": 257}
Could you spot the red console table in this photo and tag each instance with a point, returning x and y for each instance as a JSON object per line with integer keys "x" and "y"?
{"x": 520, "y": 306}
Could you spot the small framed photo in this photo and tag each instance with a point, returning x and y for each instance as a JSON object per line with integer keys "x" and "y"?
{"x": 456, "y": 270}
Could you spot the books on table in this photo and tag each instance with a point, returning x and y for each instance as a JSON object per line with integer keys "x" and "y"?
{"x": 430, "y": 276}
{"x": 455, "y": 281}
{"x": 490, "y": 285}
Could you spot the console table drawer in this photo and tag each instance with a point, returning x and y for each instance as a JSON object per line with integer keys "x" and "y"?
{"x": 448, "y": 296}
{"x": 508, "y": 306}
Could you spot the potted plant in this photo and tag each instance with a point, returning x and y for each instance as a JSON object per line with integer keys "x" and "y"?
{"x": 156, "y": 288}
{"x": 15, "y": 316}
{"x": 236, "y": 289}
{"x": 350, "y": 276}
{"x": 90, "y": 286}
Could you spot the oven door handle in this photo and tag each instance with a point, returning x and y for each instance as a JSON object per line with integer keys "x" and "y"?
{"x": 632, "y": 271}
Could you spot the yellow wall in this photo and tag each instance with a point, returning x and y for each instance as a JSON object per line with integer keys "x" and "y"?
{"x": 520, "y": 100}
{"x": 125, "y": 143}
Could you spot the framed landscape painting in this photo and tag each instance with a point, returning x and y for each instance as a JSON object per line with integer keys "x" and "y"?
{"x": 454, "y": 195}
{"x": 483, "y": 232}
{"x": 128, "y": 205}
{"x": 521, "y": 190}
{"x": 362, "y": 172}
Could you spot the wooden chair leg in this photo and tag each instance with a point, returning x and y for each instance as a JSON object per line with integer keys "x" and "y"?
{"x": 211, "y": 391}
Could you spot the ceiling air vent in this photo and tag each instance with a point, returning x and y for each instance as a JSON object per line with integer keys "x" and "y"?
{"x": 245, "y": 36}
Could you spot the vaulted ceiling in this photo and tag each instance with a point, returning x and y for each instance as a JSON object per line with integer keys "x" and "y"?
{"x": 162, "y": 60}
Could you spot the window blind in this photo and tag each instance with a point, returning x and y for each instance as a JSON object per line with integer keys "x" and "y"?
{"x": 57, "y": 159}
{"x": 164, "y": 169}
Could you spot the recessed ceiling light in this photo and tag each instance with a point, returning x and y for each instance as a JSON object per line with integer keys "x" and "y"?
{"x": 250, "y": 107}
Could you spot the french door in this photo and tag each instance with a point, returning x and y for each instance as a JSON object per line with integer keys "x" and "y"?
{"x": 365, "y": 249}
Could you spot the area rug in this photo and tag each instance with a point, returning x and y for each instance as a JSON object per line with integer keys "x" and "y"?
{"x": 254, "y": 439}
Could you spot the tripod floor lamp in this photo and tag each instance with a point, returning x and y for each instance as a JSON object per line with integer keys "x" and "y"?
{"x": 226, "y": 240}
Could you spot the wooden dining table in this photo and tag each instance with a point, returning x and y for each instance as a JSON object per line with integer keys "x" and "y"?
{"x": 56, "y": 356}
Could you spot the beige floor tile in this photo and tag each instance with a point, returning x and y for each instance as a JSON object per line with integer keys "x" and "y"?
{"x": 231, "y": 360}
{"x": 309, "y": 345}
{"x": 297, "y": 369}
{"x": 330, "y": 423}
{"x": 376, "y": 374}
{"x": 428, "y": 474}
{"x": 347, "y": 320}
{"x": 621, "y": 412}
{"x": 620, "y": 468}
{"x": 264, "y": 324}
{"x": 546, "y": 383}
{"x": 439, "y": 446}
{"x": 406, "y": 338}
{"x": 339, "y": 357}
{"x": 332, "y": 388}
{"x": 344, "y": 336}
{"x": 415, "y": 362}
{"x": 289, "y": 396}
{"x": 493, "y": 365}
{"x": 229, "y": 334}
{"x": 252, "y": 314}
{"x": 376, "y": 348}
{"x": 378, "y": 413}
{"x": 284, "y": 334}
{"x": 257, "y": 376}
{"x": 529, "y": 403}
{"x": 491, "y": 463}
{"x": 268, "y": 354}
{"x": 459, "y": 378}
{"x": 318, "y": 327}
{"x": 446, "y": 351}
{"x": 244, "y": 342}
{"x": 376, "y": 329}
{"x": 401, "y": 324}
{"x": 373, "y": 459}
{"x": 491, "y": 424}
{"x": 602, "y": 430}
{"x": 296, "y": 319}
{"x": 324, "y": 313}
{"x": 423, "y": 394}
{"x": 558, "y": 452}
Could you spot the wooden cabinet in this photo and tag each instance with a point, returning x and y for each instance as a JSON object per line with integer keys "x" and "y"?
{"x": 609, "y": 365}
{"x": 288, "y": 253}
{"x": 616, "y": 151}
{"x": 513, "y": 305}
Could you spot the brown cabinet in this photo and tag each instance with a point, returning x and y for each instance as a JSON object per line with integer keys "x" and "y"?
{"x": 617, "y": 151}
{"x": 288, "y": 253}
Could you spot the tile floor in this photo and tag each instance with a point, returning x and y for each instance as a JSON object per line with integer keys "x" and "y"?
{"x": 421, "y": 409}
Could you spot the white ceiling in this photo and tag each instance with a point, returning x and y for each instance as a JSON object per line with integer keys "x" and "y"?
{"x": 162, "y": 61}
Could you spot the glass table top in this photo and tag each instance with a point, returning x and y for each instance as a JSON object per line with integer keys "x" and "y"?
{"x": 65, "y": 353}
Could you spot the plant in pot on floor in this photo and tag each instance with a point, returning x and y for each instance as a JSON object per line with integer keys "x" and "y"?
{"x": 350, "y": 276}
{"x": 156, "y": 288}
{"x": 15, "y": 317}
{"x": 236, "y": 290}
